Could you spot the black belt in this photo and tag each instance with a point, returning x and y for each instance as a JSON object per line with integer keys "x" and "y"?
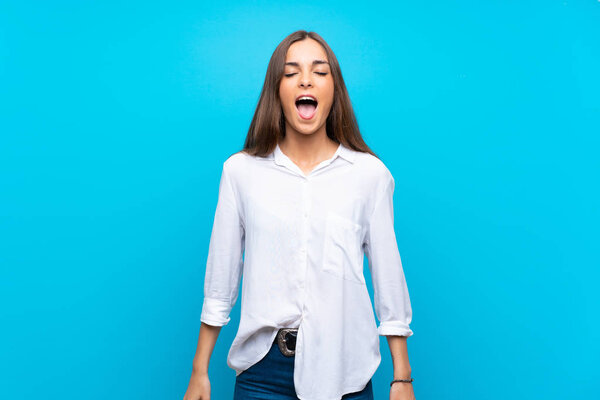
{"x": 286, "y": 340}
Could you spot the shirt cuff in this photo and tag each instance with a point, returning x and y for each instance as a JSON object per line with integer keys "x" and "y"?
{"x": 394, "y": 328}
{"x": 215, "y": 312}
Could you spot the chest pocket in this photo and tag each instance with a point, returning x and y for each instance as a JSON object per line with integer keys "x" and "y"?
{"x": 342, "y": 249}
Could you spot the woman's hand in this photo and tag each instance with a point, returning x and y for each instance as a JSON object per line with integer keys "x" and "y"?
{"x": 402, "y": 391}
{"x": 198, "y": 388}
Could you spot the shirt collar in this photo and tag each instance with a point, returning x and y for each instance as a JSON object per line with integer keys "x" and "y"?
{"x": 346, "y": 153}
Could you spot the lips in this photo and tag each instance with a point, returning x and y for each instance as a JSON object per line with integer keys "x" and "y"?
{"x": 306, "y": 104}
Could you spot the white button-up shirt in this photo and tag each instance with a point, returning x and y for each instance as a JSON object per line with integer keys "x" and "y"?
{"x": 300, "y": 241}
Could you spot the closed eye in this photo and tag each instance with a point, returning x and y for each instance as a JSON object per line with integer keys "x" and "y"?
{"x": 294, "y": 73}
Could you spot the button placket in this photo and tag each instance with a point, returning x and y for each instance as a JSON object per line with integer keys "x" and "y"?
{"x": 305, "y": 210}
{"x": 303, "y": 250}
{"x": 305, "y": 218}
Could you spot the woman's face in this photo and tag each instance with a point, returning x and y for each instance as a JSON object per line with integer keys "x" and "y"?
{"x": 306, "y": 72}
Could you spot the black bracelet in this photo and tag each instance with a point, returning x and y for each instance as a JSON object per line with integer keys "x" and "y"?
{"x": 402, "y": 380}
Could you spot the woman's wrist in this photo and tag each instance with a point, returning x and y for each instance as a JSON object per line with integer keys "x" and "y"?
{"x": 199, "y": 369}
{"x": 404, "y": 381}
{"x": 402, "y": 373}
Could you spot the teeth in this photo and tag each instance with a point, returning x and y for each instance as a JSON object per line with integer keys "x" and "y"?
{"x": 306, "y": 98}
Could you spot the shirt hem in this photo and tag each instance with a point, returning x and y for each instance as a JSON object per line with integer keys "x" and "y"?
{"x": 347, "y": 390}
{"x": 260, "y": 355}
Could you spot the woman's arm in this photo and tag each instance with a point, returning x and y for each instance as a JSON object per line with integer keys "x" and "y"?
{"x": 402, "y": 370}
{"x": 206, "y": 344}
{"x": 199, "y": 385}
{"x": 221, "y": 283}
{"x": 392, "y": 301}
{"x": 390, "y": 292}
{"x": 399, "y": 351}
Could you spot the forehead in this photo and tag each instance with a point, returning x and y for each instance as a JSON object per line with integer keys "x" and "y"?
{"x": 305, "y": 51}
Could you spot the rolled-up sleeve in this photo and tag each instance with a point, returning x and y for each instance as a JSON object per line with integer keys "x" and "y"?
{"x": 391, "y": 298}
{"x": 225, "y": 262}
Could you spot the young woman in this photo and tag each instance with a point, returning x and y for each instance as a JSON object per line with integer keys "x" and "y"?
{"x": 298, "y": 209}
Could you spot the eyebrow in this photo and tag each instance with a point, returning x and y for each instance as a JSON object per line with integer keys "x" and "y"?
{"x": 315, "y": 62}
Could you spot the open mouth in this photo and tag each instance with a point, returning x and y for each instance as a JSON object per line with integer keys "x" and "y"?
{"x": 307, "y": 107}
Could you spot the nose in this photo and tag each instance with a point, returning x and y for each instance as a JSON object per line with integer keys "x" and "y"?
{"x": 305, "y": 81}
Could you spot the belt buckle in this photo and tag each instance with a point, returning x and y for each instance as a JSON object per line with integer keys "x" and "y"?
{"x": 281, "y": 341}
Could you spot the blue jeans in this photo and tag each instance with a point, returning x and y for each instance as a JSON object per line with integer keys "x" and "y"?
{"x": 272, "y": 378}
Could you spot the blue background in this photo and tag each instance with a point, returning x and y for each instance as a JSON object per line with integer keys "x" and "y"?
{"x": 116, "y": 117}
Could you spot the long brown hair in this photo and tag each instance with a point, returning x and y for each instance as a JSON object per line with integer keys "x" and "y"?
{"x": 268, "y": 124}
